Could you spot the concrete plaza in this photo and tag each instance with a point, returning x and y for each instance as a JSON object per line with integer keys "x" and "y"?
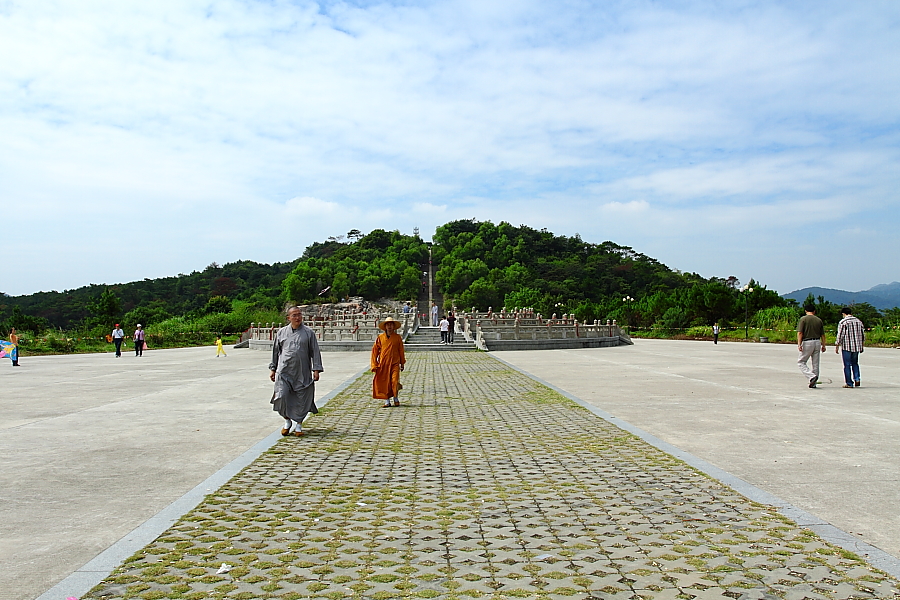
{"x": 94, "y": 446}
{"x": 746, "y": 408}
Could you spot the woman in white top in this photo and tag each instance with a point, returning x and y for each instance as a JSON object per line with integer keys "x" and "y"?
{"x": 445, "y": 329}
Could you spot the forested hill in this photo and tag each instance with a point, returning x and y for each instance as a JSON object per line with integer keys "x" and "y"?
{"x": 483, "y": 265}
{"x": 153, "y": 300}
{"x": 478, "y": 264}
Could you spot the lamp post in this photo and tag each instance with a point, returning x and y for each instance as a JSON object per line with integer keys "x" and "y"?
{"x": 747, "y": 290}
{"x": 628, "y": 300}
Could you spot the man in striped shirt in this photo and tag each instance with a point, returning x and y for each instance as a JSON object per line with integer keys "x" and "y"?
{"x": 849, "y": 342}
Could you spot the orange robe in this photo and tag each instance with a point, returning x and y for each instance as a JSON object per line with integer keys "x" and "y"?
{"x": 387, "y": 356}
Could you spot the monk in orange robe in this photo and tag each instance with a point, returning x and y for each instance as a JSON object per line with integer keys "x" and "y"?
{"x": 388, "y": 359}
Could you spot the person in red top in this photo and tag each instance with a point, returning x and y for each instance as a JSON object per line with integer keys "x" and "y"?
{"x": 388, "y": 359}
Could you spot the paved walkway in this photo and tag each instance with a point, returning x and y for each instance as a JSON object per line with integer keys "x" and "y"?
{"x": 746, "y": 409}
{"x": 484, "y": 484}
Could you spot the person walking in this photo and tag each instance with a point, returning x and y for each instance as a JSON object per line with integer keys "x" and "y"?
{"x": 715, "y": 333}
{"x": 138, "y": 340}
{"x": 445, "y": 329}
{"x": 451, "y": 327}
{"x": 388, "y": 359}
{"x": 118, "y": 336}
{"x": 811, "y": 343}
{"x": 16, "y": 350}
{"x": 295, "y": 367}
{"x": 406, "y": 308}
{"x": 219, "y": 348}
{"x": 434, "y": 315}
{"x": 851, "y": 336}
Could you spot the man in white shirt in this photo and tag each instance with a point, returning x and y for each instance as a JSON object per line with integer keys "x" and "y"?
{"x": 118, "y": 336}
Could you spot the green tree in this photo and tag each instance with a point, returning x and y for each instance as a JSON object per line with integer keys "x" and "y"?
{"x": 892, "y": 315}
{"x": 108, "y": 306}
{"x": 340, "y": 285}
{"x": 21, "y": 322}
{"x": 217, "y": 304}
{"x": 826, "y": 310}
{"x": 525, "y": 297}
{"x": 146, "y": 315}
{"x": 298, "y": 289}
{"x": 408, "y": 289}
{"x": 717, "y": 302}
{"x": 866, "y": 313}
{"x": 675, "y": 319}
{"x": 481, "y": 294}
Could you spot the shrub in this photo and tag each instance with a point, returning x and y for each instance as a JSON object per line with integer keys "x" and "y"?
{"x": 883, "y": 335}
{"x": 60, "y": 343}
{"x": 674, "y": 318}
{"x": 776, "y": 317}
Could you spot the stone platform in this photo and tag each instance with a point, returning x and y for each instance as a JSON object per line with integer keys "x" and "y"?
{"x": 484, "y": 484}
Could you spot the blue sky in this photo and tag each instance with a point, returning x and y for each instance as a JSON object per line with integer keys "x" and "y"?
{"x": 755, "y": 139}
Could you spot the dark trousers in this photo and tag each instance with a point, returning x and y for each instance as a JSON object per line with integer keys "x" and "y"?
{"x": 715, "y": 338}
{"x": 138, "y": 347}
{"x": 118, "y": 343}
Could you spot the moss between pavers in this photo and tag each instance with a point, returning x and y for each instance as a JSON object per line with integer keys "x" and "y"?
{"x": 484, "y": 484}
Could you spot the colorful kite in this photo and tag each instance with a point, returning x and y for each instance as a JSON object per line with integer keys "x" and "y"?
{"x": 9, "y": 350}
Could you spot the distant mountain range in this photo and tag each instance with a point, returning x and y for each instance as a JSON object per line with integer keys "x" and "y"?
{"x": 883, "y": 296}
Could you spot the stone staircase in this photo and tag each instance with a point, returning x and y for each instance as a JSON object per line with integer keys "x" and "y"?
{"x": 429, "y": 338}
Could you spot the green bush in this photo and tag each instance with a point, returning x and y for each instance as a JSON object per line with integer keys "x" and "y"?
{"x": 58, "y": 342}
{"x": 885, "y": 335}
{"x": 675, "y": 318}
{"x": 699, "y": 331}
{"x": 524, "y": 298}
{"x": 776, "y": 317}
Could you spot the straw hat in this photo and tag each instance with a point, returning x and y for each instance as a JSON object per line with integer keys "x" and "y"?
{"x": 389, "y": 320}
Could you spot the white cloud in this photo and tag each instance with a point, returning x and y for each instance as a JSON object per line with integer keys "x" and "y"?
{"x": 429, "y": 208}
{"x": 631, "y": 208}
{"x": 795, "y": 173}
{"x": 196, "y": 120}
{"x": 307, "y": 206}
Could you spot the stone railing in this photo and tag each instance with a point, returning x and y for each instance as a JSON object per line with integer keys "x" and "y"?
{"x": 337, "y": 328}
{"x": 523, "y": 329}
{"x": 505, "y": 329}
{"x": 549, "y": 330}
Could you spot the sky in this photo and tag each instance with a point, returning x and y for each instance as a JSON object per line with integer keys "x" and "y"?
{"x": 144, "y": 140}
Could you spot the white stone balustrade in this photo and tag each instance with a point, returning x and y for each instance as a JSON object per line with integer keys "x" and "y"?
{"x": 339, "y": 327}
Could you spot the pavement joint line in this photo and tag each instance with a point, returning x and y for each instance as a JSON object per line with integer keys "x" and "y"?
{"x": 95, "y": 570}
{"x": 875, "y": 556}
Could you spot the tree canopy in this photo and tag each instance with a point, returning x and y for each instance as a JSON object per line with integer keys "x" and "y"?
{"x": 477, "y": 264}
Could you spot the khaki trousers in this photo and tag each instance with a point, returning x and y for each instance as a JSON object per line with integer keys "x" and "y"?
{"x": 812, "y": 350}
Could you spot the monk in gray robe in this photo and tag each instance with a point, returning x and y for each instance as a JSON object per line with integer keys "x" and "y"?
{"x": 295, "y": 367}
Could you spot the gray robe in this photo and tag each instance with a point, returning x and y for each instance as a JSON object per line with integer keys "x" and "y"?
{"x": 295, "y": 355}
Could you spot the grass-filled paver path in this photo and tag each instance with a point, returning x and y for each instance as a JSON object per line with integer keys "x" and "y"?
{"x": 484, "y": 484}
